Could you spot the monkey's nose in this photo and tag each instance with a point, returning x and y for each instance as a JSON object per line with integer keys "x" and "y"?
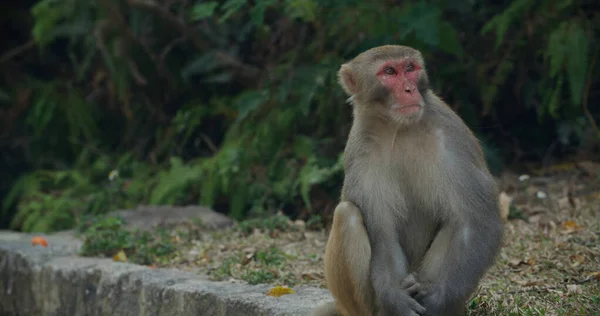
{"x": 409, "y": 87}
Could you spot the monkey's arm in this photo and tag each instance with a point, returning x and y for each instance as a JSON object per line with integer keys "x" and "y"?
{"x": 389, "y": 266}
{"x": 458, "y": 257}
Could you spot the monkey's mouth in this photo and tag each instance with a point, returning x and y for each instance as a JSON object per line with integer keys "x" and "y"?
{"x": 406, "y": 109}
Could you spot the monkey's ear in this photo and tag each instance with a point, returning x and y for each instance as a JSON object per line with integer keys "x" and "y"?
{"x": 347, "y": 79}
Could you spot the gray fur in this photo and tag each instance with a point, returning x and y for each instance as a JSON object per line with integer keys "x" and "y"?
{"x": 428, "y": 201}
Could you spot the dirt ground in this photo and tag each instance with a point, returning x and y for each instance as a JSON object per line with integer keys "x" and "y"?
{"x": 549, "y": 263}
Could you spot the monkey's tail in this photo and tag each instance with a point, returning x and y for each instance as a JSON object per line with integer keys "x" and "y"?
{"x": 327, "y": 309}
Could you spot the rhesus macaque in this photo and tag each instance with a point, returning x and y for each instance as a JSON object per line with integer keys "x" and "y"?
{"x": 418, "y": 224}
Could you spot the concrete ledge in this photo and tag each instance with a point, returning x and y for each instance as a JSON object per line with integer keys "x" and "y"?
{"x": 54, "y": 281}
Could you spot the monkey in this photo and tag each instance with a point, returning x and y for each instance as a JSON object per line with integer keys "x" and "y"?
{"x": 418, "y": 223}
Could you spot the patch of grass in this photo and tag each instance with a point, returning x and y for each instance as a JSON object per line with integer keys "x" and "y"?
{"x": 534, "y": 303}
{"x": 225, "y": 269}
{"x": 106, "y": 236}
{"x": 515, "y": 213}
{"x": 315, "y": 222}
{"x": 268, "y": 224}
{"x": 270, "y": 257}
{"x": 258, "y": 276}
{"x": 276, "y": 223}
{"x": 255, "y": 267}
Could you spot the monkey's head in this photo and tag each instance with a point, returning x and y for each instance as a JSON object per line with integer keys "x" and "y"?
{"x": 388, "y": 81}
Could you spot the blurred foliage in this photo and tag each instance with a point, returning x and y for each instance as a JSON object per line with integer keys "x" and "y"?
{"x": 107, "y": 235}
{"x": 235, "y": 104}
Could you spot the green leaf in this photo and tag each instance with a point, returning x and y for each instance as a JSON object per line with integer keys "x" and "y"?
{"x": 203, "y": 10}
{"x": 568, "y": 49}
{"x": 203, "y": 64}
{"x": 449, "y": 39}
{"x": 554, "y": 102}
{"x": 555, "y": 52}
{"x": 504, "y": 20}
{"x": 423, "y": 19}
{"x": 231, "y": 7}
{"x": 250, "y": 101}
{"x": 174, "y": 181}
{"x": 305, "y": 10}
{"x": 490, "y": 91}
{"x": 312, "y": 174}
{"x": 577, "y": 61}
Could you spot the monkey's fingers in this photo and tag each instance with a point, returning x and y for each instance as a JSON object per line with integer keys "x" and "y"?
{"x": 414, "y": 290}
{"x": 421, "y": 294}
{"x": 416, "y": 306}
{"x": 409, "y": 281}
{"x": 411, "y": 285}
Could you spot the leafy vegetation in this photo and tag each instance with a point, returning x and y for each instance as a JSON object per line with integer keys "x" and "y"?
{"x": 106, "y": 236}
{"x": 235, "y": 105}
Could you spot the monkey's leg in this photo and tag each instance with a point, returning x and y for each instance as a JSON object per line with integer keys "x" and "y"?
{"x": 347, "y": 258}
{"x": 452, "y": 267}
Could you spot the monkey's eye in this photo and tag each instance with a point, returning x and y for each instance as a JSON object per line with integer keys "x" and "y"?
{"x": 389, "y": 71}
{"x": 410, "y": 68}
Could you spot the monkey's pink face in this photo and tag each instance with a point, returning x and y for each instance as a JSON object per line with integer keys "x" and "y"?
{"x": 401, "y": 77}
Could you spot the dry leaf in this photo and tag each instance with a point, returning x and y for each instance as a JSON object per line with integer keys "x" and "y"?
{"x": 518, "y": 262}
{"x": 152, "y": 266}
{"x": 594, "y": 275}
{"x": 532, "y": 283}
{"x": 120, "y": 256}
{"x": 37, "y": 240}
{"x": 280, "y": 290}
{"x": 504, "y": 200}
{"x": 249, "y": 250}
{"x": 571, "y": 224}
{"x": 573, "y": 289}
{"x": 577, "y": 259}
{"x": 311, "y": 276}
{"x": 247, "y": 258}
{"x": 569, "y": 227}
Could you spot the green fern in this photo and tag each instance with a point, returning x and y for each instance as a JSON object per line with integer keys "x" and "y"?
{"x": 203, "y": 10}
{"x": 567, "y": 54}
{"x": 174, "y": 181}
{"x": 311, "y": 174}
{"x": 501, "y": 22}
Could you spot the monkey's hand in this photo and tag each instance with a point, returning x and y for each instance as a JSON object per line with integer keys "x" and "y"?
{"x": 414, "y": 288}
{"x": 399, "y": 302}
{"x": 427, "y": 294}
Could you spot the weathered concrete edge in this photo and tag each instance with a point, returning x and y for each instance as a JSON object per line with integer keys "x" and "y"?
{"x": 53, "y": 280}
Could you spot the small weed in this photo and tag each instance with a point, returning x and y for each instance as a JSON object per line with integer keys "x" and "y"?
{"x": 105, "y": 236}
{"x": 153, "y": 247}
{"x": 515, "y": 213}
{"x": 315, "y": 222}
{"x": 225, "y": 270}
{"x": 258, "y": 276}
{"x": 270, "y": 257}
